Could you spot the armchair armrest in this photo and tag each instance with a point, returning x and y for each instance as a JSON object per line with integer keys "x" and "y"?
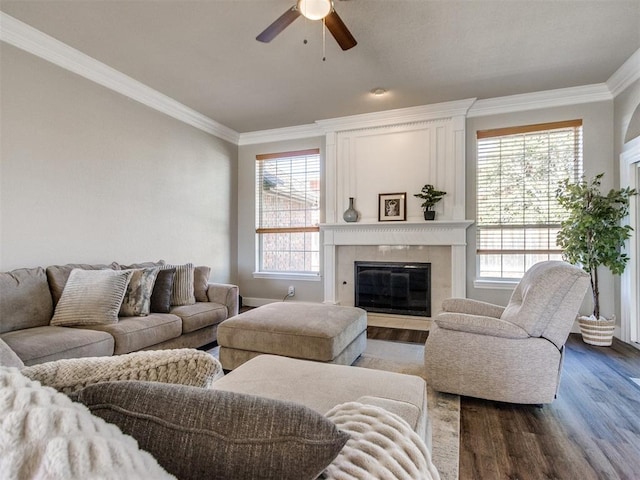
{"x": 480, "y": 325}
{"x": 225, "y": 294}
{"x": 472, "y": 307}
{"x": 184, "y": 366}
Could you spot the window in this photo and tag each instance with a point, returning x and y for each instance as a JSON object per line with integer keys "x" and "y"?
{"x": 288, "y": 212}
{"x": 518, "y": 216}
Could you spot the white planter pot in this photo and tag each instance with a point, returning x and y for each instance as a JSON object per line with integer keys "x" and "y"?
{"x": 597, "y": 332}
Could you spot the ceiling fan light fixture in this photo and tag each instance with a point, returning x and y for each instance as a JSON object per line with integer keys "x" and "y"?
{"x": 315, "y": 9}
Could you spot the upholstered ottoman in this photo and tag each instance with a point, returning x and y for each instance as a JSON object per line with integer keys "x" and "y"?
{"x": 311, "y": 331}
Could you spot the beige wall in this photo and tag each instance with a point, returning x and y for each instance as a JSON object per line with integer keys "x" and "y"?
{"x": 598, "y": 157}
{"x": 87, "y": 175}
{"x": 262, "y": 288}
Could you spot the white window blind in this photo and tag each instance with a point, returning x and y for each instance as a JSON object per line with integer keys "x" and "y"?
{"x": 288, "y": 211}
{"x": 518, "y": 217}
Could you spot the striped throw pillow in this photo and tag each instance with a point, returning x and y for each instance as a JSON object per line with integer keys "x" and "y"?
{"x": 183, "y": 290}
{"x": 91, "y": 297}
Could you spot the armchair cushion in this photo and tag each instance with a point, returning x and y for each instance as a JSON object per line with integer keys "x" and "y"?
{"x": 196, "y": 433}
{"x": 182, "y": 366}
{"x": 548, "y": 292}
{"x": 473, "y": 307}
{"x": 480, "y": 324}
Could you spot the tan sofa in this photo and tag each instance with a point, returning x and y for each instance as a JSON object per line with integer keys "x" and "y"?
{"x": 28, "y": 298}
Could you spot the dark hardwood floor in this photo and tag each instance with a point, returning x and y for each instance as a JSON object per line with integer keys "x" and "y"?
{"x": 591, "y": 431}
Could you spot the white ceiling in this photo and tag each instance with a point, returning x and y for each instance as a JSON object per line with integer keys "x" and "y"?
{"x": 204, "y": 53}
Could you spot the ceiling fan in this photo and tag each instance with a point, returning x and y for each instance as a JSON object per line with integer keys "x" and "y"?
{"x": 313, "y": 10}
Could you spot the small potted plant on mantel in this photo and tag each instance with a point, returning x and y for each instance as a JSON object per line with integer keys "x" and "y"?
{"x": 592, "y": 236}
{"x": 430, "y": 197}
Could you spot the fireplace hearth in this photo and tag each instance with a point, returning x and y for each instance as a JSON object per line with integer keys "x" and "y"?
{"x": 402, "y": 288}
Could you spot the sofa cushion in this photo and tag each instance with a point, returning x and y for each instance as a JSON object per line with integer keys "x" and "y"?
{"x": 91, "y": 297}
{"x": 45, "y": 344}
{"x": 57, "y": 276}
{"x": 201, "y": 283}
{"x": 198, "y": 433}
{"x": 25, "y": 300}
{"x": 133, "y": 266}
{"x": 182, "y": 293}
{"x": 8, "y": 357}
{"x": 135, "y": 333}
{"x": 137, "y": 298}
{"x": 162, "y": 289}
{"x": 200, "y": 315}
{"x": 47, "y": 436}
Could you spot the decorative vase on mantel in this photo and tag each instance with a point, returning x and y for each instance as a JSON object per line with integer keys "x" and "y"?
{"x": 351, "y": 214}
{"x": 429, "y": 214}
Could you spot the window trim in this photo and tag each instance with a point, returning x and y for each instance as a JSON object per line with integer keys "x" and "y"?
{"x": 285, "y": 275}
{"x": 510, "y": 282}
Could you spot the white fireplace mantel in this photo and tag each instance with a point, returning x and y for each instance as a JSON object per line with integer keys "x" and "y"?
{"x": 450, "y": 233}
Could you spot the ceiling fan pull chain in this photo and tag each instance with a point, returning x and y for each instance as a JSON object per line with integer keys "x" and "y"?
{"x": 306, "y": 29}
{"x": 324, "y": 37}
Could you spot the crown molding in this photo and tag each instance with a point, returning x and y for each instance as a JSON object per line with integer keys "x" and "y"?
{"x": 31, "y": 40}
{"x": 628, "y": 73}
{"x": 280, "y": 134}
{"x": 545, "y": 99}
{"x": 398, "y": 116}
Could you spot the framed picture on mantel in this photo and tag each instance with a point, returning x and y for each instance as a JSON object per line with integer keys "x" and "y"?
{"x": 392, "y": 207}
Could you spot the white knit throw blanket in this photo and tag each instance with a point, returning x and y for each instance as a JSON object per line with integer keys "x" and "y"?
{"x": 382, "y": 447}
{"x": 185, "y": 366}
{"x": 46, "y": 436}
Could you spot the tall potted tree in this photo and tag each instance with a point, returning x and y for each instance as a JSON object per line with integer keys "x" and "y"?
{"x": 430, "y": 197}
{"x": 593, "y": 236}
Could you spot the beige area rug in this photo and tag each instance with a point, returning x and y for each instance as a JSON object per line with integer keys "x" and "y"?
{"x": 444, "y": 409}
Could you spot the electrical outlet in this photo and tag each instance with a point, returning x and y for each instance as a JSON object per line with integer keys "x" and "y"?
{"x": 292, "y": 291}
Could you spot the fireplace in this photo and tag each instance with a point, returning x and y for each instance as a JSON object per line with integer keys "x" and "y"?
{"x": 402, "y": 288}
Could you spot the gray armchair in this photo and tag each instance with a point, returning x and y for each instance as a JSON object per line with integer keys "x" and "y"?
{"x": 513, "y": 353}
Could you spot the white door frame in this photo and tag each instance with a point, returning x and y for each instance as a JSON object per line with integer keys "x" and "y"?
{"x": 630, "y": 279}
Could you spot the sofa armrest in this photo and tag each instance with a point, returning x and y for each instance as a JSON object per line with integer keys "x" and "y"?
{"x": 184, "y": 366}
{"x": 226, "y": 294}
{"x": 472, "y": 307}
{"x": 480, "y": 325}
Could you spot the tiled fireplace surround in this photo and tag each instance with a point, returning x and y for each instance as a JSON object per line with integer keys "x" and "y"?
{"x": 368, "y": 156}
{"x": 441, "y": 243}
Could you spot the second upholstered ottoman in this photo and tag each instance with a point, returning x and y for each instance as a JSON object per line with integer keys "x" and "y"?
{"x": 311, "y": 331}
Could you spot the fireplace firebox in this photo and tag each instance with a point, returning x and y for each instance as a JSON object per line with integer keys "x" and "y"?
{"x": 393, "y": 287}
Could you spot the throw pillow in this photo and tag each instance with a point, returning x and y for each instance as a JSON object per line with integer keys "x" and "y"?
{"x": 137, "y": 298}
{"x": 161, "y": 296}
{"x": 201, "y": 283}
{"x": 91, "y": 297}
{"x": 45, "y": 435}
{"x": 57, "y": 276}
{"x": 182, "y": 293}
{"x": 197, "y": 433}
{"x": 382, "y": 445}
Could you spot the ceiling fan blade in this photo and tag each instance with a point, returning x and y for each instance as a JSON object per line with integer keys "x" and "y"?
{"x": 339, "y": 31}
{"x": 279, "y": 25}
